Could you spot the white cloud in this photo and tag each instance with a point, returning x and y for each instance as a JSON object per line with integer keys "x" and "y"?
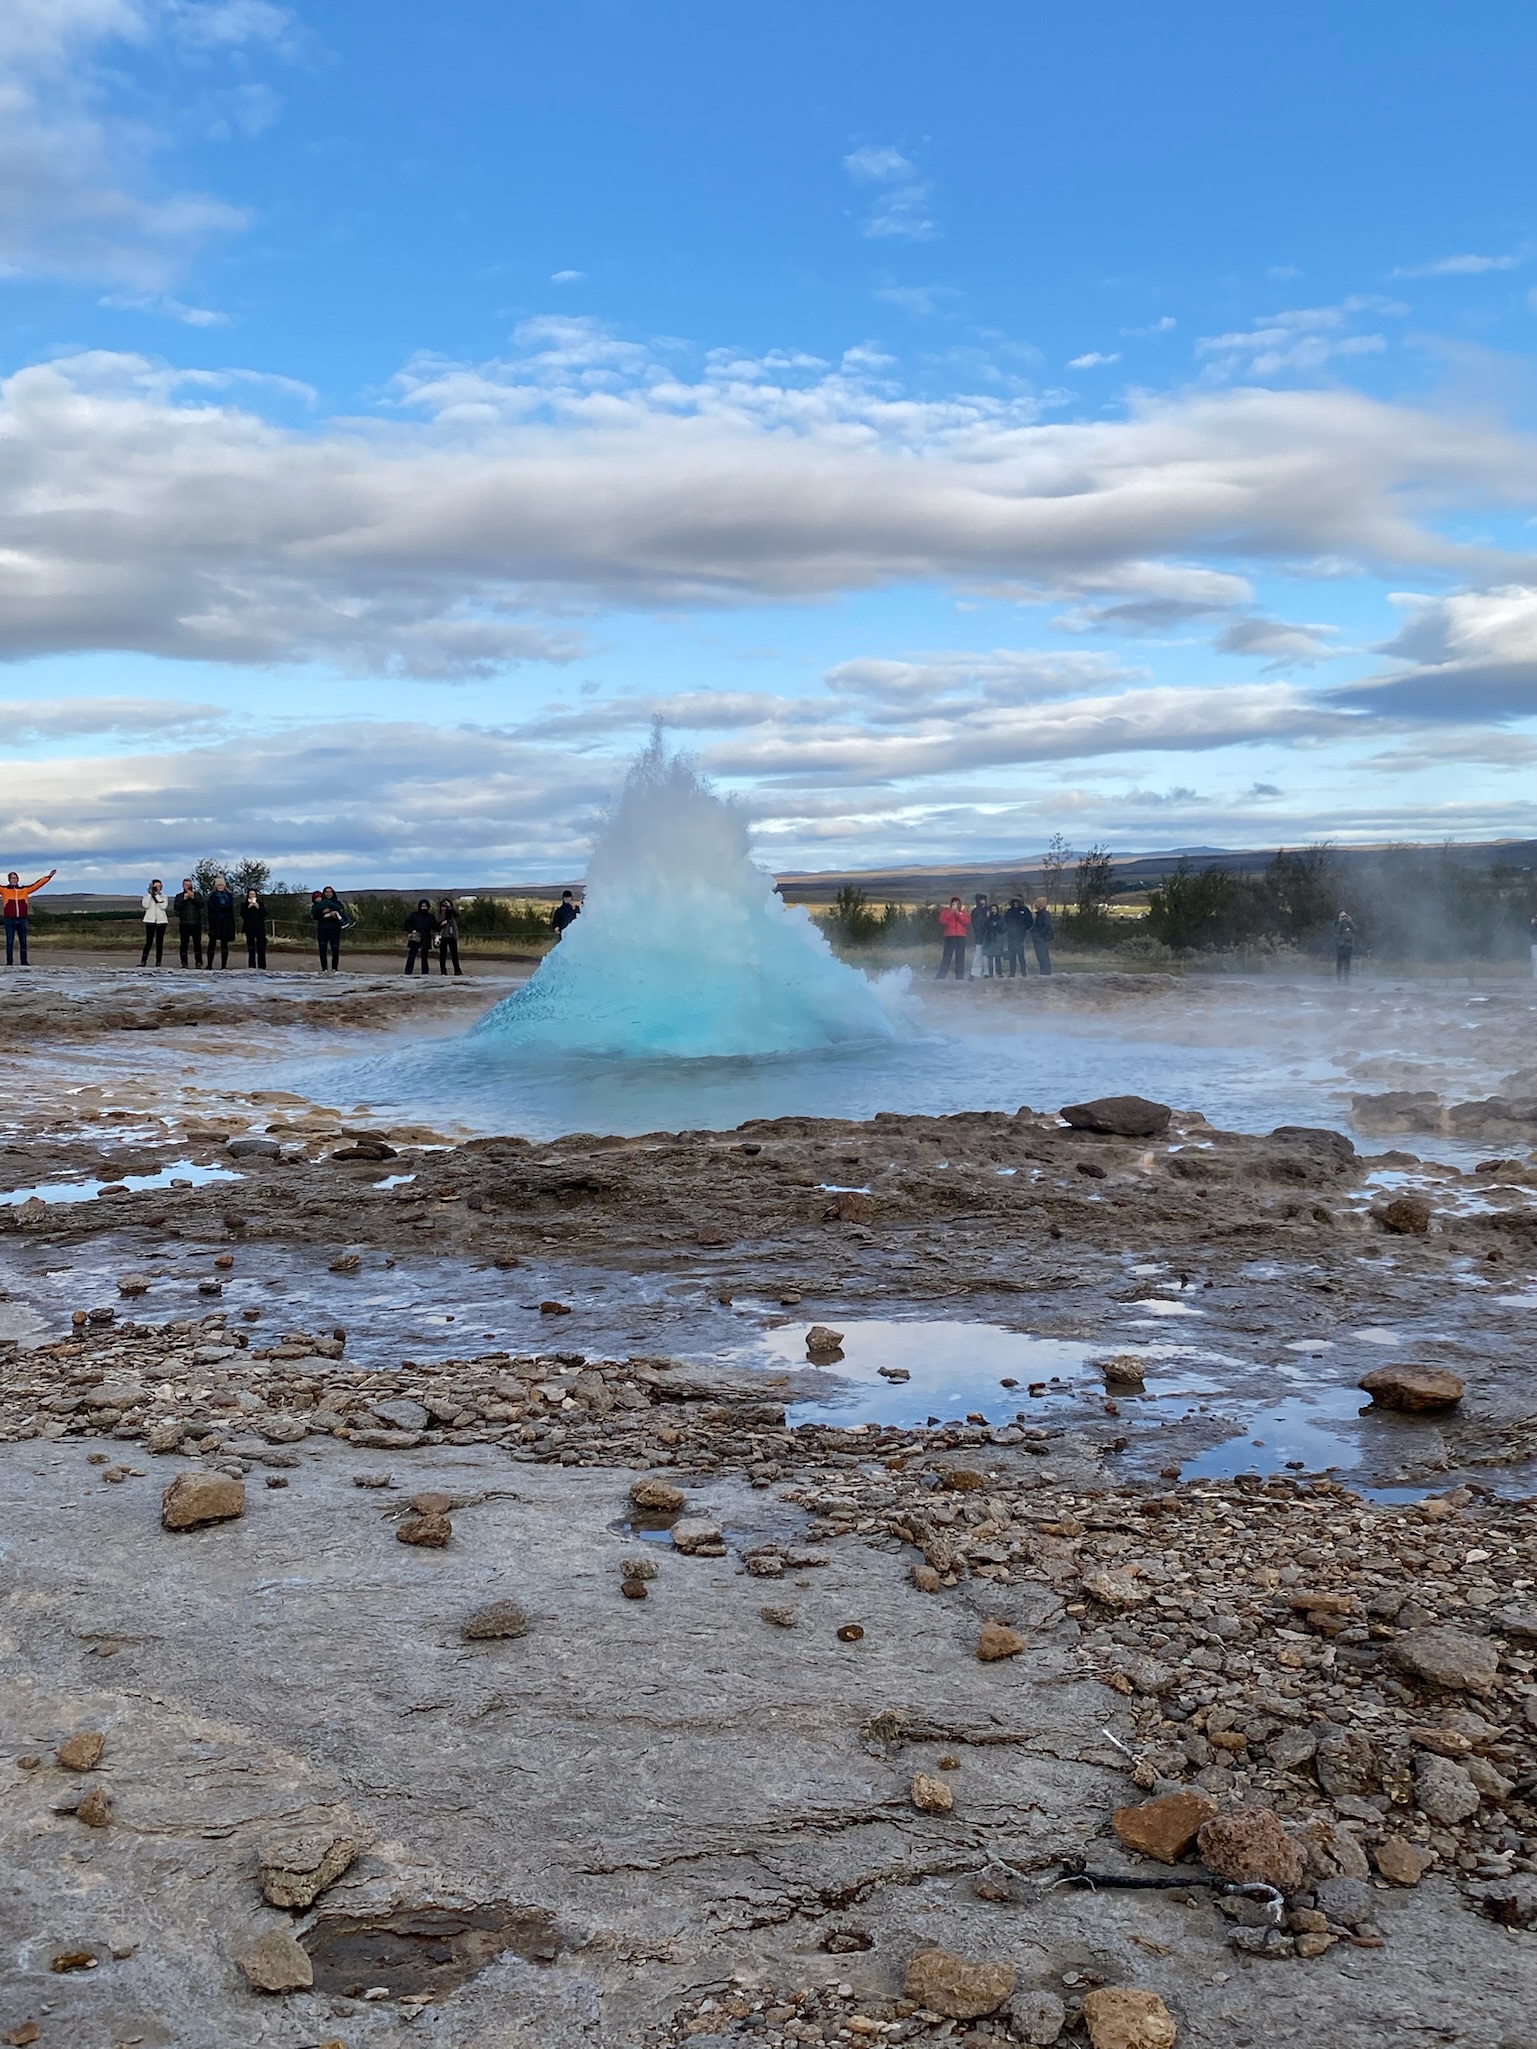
{"x": 900, "y": 195}
{"x": 27, "y": 720}
{"x": 1165, "y": 325}
{"x": 1303, "y": 340}
{"x": 78, "y": 196}
{"x": 1458, "y": 266}
{"x": 166, "y": 308}
{"x": 567, "y": 277}
{"x": 1284, "y": 645}
{"x": 1092, "y": 361}
{"x": 1472, "y": 655}
{"x": 145, "y": 508}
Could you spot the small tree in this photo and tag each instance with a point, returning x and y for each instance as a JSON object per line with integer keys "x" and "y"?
{"x": 1054, "y": 864}
{"x": 240, "y": 875}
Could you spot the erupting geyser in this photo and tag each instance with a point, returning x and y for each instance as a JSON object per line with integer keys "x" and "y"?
{"x": 683, "y": 949}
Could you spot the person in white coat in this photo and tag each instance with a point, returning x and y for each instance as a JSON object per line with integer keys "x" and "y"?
{"x": 156, "y": 917}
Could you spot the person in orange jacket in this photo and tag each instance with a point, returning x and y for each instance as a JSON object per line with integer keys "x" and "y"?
{"x": 17, "y": 899}
{"x": 955, "y": 923}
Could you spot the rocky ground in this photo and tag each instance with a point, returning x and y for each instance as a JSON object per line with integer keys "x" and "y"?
{"x": 565, "y": 1687}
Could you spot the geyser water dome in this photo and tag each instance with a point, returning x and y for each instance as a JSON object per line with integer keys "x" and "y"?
{"x": 683, "y": 949}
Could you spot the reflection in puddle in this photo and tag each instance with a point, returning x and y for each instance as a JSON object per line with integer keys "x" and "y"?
{"x": 1300, "y": 1431}
{"x": 949, "y": 1371}
{"x": 183, "y": 1172}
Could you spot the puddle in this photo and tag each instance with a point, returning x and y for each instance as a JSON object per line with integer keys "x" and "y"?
{"x": 952, "y": 1371}
{"x": 424, "y": 1951}
{"x": 1302, "y": 1431}
{"x": 652, "y": 1528}
{"x": 181, "y": 1172}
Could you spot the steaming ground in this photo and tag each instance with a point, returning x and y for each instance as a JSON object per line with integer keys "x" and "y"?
{"x": 561, "y": 1278}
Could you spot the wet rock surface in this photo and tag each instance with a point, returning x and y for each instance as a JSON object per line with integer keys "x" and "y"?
{"x": 693, "y": 1817}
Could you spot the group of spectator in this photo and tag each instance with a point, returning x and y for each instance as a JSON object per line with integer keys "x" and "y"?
{"x": 219, "y": 915}
{"x": 998, "y": 935}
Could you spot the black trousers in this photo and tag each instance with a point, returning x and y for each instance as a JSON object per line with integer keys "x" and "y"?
{"x": 154, "y": 936}
{"x": 418, "y": 948}
{"x": 1042, "y": 950}
{"x": 192, "y": 936}
{"x": 329, "y": 942}
{"x": 448, "y": 950}
{"x": 954, "y": 956}
{"x": 223, "y": 945}
{"x": 1342, "y": 963}
{"x": 256, "y": 949}
{"x": 1017, "y": 956}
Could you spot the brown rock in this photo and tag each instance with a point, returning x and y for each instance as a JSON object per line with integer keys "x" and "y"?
{"x": 501, "y": 1619}
{"x": 633, "y": 1589}
{"x": 24, "y": 2036}
{"x": 932, "y": 1796}
{"x": 95, "y": 1809}
{"x": 1408, "y": 1216}
{"x": 957, "y": 1987}
{"x": 432, "y": 1504}
{"x": 193, "y": 1499}
{"x": 1311, "y": 1945}
{"x": 1119, "y": 2018}
{"x": 276, "y": 1963}
{"x": 996, "y": 1641}
{"x": 850, "y": 1632}
{"x": 346, "y": 1263}
{"x": 1120, "y": 1116}
{"x": 1164, "y": 1828}
{"x": 73, "y": 1960}
{"x": 1450, "y": 1658}
{"x": 781, "y": 1618}
{"x": 823, "y": 1342}
{"x": 1401, "y": 1862}
{"x": 81, "y": 1753}
{"x": 1250, "y": 1847}
{"x": 1417, "y": 1390}
{"x": 926, "y": 1579}
{"x": 1118, "y": 1589}
{"x": 851, "y": 1208}
{"x": 697, "y": 1537}
{"x": 296, "y": 1869}
{"x": 430, "y": 1531}
{"x": 133, "y": 1284}
{"x": 657, "y": 1497}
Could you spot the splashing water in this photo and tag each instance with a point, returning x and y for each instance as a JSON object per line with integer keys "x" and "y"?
{"x": 683, "y": 949}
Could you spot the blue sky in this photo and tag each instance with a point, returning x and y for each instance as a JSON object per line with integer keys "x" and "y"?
{"x": 959, "y": 425}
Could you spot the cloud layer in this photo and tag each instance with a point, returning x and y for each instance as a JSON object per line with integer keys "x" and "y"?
{"x": 141, "y": 509}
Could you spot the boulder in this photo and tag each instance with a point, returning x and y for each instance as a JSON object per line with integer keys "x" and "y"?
{"x": 1407, "y": 1216}
{"x": 1119, "y": 1116}
{"x": 822, "y": 1342}
{"x": 996, "y": 1640}
{"x": 1250, "y": 1847}
{"x": 1443, "y": 1791}
{"x": 697, "y": 1537}
{"x": 1401, "y": 1862}
{"x": 1118, "y": 1589}
{"x": 1118, "y": 2017}
{"x": 931, "y": 1795}
{"x": 1450, "y": 1658}
{"x": 430, "y": 1532}
{"x": 955, "y": 1986}
{"x": 1417, "y": 1390}
{"x": 656, "y": 1497}
{"x": 1164, "y": 1828}
{"x": 252, "y": 1148}
{"x": 276, "y": 1963}
{"x": 95, "y": 1808}
{"x": 82, "y": 1752}
{"x": 295, "y": 1869}
{"x": 193, "y": 1499}
{"x": 1037, "y": 2018}
{"x": 497, "y": 1620}
{"x": 402, "y": 1415}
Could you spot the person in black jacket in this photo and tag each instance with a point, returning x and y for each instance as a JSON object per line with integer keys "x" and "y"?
{"x": 566, "y": 912}
{"x": 421, "y": 929}
{"x": 221, "y": 920}
{"x": 189, "y": 921}
{"x": 1017, "y": 922}
{"x": 1042, "y": 933}
{"x": 331, "y": 921}
{"x": 253, "y": 922}
{"x": 448, "y": 936}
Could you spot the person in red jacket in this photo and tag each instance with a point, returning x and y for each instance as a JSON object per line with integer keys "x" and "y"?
{"x": 955, "y": 924}
{"x": 18, "y": 908}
